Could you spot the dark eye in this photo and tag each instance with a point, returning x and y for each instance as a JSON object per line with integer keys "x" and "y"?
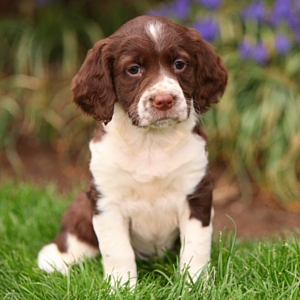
{"x": 179, "y": 65}
{"x": 134, "y": 70}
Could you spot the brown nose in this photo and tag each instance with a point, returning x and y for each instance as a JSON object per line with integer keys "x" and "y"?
{"x": 163, "y": 101}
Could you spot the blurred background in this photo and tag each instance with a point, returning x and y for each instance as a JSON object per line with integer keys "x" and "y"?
{"x": 254, "y": 132}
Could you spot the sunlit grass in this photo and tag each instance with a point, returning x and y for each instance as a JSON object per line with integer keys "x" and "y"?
{"x": 267, "y": 269}
{"x": 253, "y": 131}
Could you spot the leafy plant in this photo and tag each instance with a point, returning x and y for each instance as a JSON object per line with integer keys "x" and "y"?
{"x": 38, "y": 58}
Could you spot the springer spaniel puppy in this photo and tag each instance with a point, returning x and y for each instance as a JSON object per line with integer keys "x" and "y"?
{"x": 146, "y": 86}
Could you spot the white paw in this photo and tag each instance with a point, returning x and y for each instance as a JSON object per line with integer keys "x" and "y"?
{"x": 121, "y": 281}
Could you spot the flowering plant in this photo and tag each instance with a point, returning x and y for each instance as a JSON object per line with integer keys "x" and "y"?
{"x": 247, "y": 25}
{"x": 255, "y": 128}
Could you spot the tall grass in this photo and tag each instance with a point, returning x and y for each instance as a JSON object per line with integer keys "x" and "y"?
{"x": 266, "y": 269}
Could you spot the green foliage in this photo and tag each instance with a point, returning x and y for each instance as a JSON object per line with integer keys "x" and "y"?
{"x": 267, "y": 269}
{"x": 38, "y": 59}
{"x": 57, "y": 37}
{"x": 256, "y": 125}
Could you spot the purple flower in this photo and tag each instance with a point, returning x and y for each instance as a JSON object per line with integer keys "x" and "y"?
{"x": 42, "y": 2}
{"x": 181, "y": 9}
{"x": 259, "y": 53}
{"x": 245, "y": 49}
{"x": 297, "y": 5}
{"x": 286, "y": 11}
{"x": 208, "y": 28}
{"x": 281, "y": 11}
{"x": 210, "y": 4}
{"x": 296, "y": 34}
{"x": 282, "y": 7}
{"x": 293, "y": 20}
{"x": 282, "y": 44}
{"x": 162, "y": 11}
{"x": 254, "y": 11}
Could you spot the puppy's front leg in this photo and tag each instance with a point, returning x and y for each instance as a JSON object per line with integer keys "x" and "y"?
{"x": 196, "y": 228}
{"x": 195, "y": 244}
{"x": 112, "y": 231}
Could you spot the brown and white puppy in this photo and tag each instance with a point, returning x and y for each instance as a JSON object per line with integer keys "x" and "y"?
{"x": 146, "y": 86}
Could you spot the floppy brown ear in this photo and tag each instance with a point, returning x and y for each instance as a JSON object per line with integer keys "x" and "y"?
{"x": 92, "y": 87}
{"x": 211, "y": 75}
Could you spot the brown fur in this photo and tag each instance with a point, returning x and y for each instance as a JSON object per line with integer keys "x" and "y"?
{"x": 99, "y": 132}
{"x": 92, "y": 86}
{"x": 77, "y": 220}
{"x": 200, "y": 201}
{"x": 199, "y": 131}
{"x": 93, "y": 195}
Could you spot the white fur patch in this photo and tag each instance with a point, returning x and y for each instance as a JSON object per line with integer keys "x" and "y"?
{"x": 51, "y": 259}
{"x": 155, "y": 30}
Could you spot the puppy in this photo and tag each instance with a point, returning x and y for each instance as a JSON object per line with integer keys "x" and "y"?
{"x": 146, "y": 86}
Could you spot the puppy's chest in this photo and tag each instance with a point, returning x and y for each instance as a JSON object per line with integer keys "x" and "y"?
{"x": 148, "y": 184}
{"x": 149, "y": 172}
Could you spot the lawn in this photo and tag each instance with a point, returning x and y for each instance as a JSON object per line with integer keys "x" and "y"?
{"x": 29, "y": 218}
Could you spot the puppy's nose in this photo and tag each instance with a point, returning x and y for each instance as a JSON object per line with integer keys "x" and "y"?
{"x": 163, "y": 101}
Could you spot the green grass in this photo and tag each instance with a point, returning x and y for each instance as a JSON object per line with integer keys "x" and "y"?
{"x": 29, "y": 218}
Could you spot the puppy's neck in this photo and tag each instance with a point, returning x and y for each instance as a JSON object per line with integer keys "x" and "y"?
{"x": 122, "y": 126}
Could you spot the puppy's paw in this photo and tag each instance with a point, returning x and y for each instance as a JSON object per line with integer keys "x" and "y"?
{"x": 120, "y": 284}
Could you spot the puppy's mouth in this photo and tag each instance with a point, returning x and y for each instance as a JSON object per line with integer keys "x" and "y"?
{"x": 164, "y": 119}
{"x": 164, "y": 122}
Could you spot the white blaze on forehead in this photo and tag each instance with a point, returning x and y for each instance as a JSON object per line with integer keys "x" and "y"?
{"x": 155, "y": 30}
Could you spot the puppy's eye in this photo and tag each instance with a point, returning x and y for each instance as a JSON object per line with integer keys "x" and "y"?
{"x": 134, "y": 70}
{"x": 179, "y": 65}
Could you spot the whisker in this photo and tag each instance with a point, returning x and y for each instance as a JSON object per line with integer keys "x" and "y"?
{"x": 197, "y": 108}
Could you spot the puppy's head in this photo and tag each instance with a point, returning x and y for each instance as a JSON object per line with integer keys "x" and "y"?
{"x": 155, "y": 69}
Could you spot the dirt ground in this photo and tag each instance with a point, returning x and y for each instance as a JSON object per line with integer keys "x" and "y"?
{"x": 258, "y": 216}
